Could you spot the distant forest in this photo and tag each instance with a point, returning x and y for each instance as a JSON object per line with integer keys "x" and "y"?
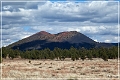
{"x": 61, "y": 54}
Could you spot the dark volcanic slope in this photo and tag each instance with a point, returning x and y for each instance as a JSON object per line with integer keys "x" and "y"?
{"x": 80, "y": 38}
{"x": 63, "y": 40}
{"x": 38, "y": 36}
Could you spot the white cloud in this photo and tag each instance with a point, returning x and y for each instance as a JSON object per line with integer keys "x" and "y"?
{"x": 42, "y": 28}
{"x": 6, "y": 7}
{"x": 90, "y": 18}
{"x": 107, "y": 41}
{"x": 96, "y": 40}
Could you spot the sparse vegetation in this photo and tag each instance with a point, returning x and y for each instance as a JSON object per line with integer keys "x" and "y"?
{"x": 70, "y": 69}
{"x": 0, "y": 59}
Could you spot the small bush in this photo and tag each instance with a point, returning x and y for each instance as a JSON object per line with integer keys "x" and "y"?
{"x": 58, "y": 69}
{"x": 29, "y": 61}
{"x": 40, "y": 67}
{"x": 82, "y": 73}
{"x": 79, "y": 67}
{"x": 72, "y": 67}
{"x": 50, "y": 67}
{"x": 92, "y": 67}
{"x": 53, "y": 74}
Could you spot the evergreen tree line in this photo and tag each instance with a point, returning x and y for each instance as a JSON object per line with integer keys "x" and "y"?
{"x": 61, "y": 54}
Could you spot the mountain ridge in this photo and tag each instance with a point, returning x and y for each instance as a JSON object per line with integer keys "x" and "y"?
{"x": 43, "y": 39}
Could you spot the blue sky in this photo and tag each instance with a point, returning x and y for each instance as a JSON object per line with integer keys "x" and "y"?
{"x": 96, "y": 19}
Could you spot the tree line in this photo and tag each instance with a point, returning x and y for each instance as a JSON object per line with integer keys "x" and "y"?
{"x": 61, "y": 54}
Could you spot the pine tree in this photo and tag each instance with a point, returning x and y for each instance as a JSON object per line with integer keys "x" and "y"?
{"x": 83, "y": 53}
{"x": 0, "y": 58}
{"x": 55, "y": 51}
{"x": 5, "y": 52}
{"x": 103, "y": 54}
{"x": 11, "y": 54}
{"x": 83, "y": 56}
{"x": 89, "y": 54}
{"x": 45, "y": 54}
{"x": 47, "y": 50}
{"x": 52, "y": 55}
{"x": 27, "y": 55}
{"x": 105, "y": 57}
{"x": 73, "y": 57}
{"x": 33, "y": 54}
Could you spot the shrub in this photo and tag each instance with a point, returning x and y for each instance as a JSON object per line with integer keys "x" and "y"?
{"x": 29, "y": 61}
{"x": 0, "y": 59}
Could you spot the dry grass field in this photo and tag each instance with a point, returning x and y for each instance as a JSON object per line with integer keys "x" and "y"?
{"x": 65, "y": 70}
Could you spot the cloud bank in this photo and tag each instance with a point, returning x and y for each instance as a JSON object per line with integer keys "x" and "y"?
{"x": 97, "y": 20}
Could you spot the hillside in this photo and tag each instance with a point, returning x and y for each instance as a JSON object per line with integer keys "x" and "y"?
{"x": 43, "y": 39}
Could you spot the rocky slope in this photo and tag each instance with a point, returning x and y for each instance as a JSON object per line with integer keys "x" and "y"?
{"x": 63, "y": 40}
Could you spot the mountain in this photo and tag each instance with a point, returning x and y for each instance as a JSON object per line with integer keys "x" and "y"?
{"x": 62, "y": 40}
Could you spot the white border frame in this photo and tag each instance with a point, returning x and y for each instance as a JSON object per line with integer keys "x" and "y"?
{"x": 118, "y": 39}
{"x": 62, "y": 78}
{"x": 1, "y": 40}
